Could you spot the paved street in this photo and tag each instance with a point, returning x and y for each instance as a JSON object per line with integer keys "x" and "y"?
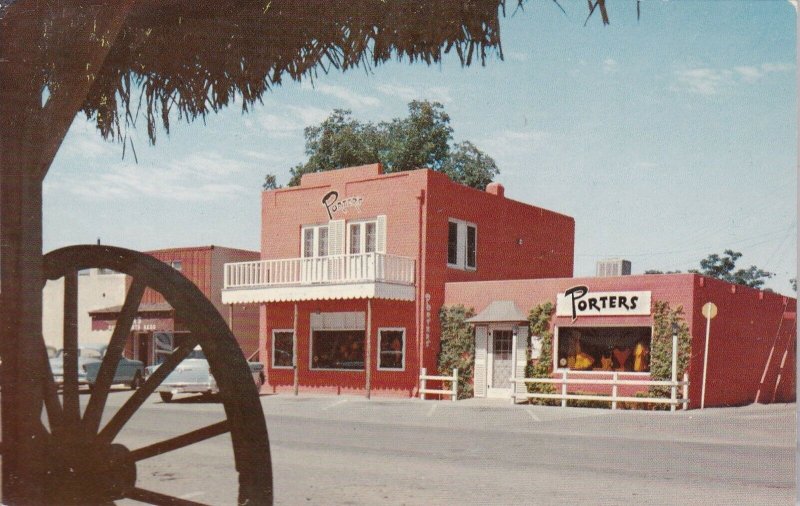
{"x": 347, "y": 450}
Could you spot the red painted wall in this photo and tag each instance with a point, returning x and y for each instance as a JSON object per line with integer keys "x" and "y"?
{"x": 418, "y": 205}
{"x": 384, "y": 314}
{"x": 747, "y": 330}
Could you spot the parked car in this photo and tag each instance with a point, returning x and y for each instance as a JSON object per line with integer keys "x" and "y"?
{"x": 86, "y": 355}
{"x": 193, "y": 375}
{"x": 129, "y": 372}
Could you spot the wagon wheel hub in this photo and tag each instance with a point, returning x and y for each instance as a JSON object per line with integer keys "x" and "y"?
{"x": 89, "y": 473}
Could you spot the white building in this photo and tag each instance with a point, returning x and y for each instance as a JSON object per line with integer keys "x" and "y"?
{"x": 97, "y": 289}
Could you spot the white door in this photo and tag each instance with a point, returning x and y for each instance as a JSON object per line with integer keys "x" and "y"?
{"x": 500, "y": 363}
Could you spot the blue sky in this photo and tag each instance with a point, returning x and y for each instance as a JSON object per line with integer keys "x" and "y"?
{"x": 666, "y": 139}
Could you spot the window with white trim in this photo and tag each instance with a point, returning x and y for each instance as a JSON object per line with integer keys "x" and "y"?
{"x": 282, "y": 349}
{"x": 391, "y": 349}
{"x": 314, "y": 241}
{"x": 362, "y": 237}
{"x": 462, "y": 245}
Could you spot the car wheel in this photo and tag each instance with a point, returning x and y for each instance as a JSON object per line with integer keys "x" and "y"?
{"x": 165, "y": 396}
{"x": 137, "y": 381}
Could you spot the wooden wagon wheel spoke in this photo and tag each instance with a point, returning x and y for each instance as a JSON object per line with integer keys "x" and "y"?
{"x": 97, "y": 402}
{"x": 135, "y": 401}
{"x": 85, "y": 466}
{"x": 150, "y": 497}
{"x": 55, "y": 412}
{"x": 71, "y": 402}
{"x": 181, "y": 441}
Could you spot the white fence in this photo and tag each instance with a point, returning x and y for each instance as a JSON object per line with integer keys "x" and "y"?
{"x": 565, "y": 381}
{"x": 423, "y": 379}
{"x": 365, "y": 267}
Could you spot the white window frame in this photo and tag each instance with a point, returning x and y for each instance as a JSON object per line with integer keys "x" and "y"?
{"x": 403, "y": 349}
{"x": 461, "y": 245}
{"x": 315, "y": 246}
{"x": 362, "y": 239}
{"x": 294, "y": 359}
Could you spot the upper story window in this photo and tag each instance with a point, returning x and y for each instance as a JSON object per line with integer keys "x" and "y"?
{"x": 315, "y": 241}
{"x": 462, "y": 245}
{"x": 362, "y": 237}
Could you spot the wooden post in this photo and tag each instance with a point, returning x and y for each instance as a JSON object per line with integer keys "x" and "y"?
{"x": 455, "y": 385}
{"x": 564, "y": 388}
{"x": 422, "y": 383}
{"x": 674, "y": 388}
{"x": 263, "y": 356}
{"x": 368, "y": 361}
{"x": 72, "y": 409}
{"x": 686, "y": 390}
{"x": 614, "y": 390}
{"x": 705, "y": 364}
{"x": 294, "y": 352}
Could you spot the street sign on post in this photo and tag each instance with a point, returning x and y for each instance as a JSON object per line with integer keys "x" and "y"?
{"x": 709, "y": 311}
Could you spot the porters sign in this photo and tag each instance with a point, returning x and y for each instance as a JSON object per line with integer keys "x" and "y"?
{"x": 333, "y": 205}
{"x": 578, "y": 301}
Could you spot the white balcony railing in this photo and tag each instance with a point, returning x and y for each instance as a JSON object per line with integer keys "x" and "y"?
{"x": 335, "y": 269}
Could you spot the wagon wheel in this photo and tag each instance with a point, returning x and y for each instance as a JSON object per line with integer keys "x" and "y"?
{"x": 85, "y": 466}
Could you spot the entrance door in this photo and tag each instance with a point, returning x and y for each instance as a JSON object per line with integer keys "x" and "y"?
{"x": 143, "y": 348}
{"x": 501, "y": 364}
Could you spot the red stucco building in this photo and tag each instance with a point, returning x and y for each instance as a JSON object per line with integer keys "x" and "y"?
{"x": 356, "y": 264}
{"x": 157, "y": 326}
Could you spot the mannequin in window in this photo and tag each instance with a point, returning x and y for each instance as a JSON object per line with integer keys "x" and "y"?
{"x": 641, "y": 357}
{"x": 621, "y": 356}
{"x": 582, "y": 360}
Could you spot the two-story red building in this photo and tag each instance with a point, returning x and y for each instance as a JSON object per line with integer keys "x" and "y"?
{"x": 157, "y": 327}
{"x": 354, "y": 264}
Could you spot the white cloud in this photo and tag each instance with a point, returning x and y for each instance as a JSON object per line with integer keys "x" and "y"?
{"x": 199, "y": 177}
{"x": 409, "y": 93}
{"x": 84, "y": 140}
{"x": 517, "y": 56}
{"x": 513, "y": 149}
{"x": 703, "y": 81}
{"x": 289, "y": 121}
{"x": 349, "y": 97}
{"x": 708, "y": 81}
{"x": 609, "y": 65}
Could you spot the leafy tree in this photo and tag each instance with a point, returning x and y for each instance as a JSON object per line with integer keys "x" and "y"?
{"x": 656, "y": 271}
{"x": 664, "y": 318}
{"x": 457, "y": 349}
{"x": 270, "y": 182}
{"x": 539, "y": 324}
{"x": 793, "y": 282}
{"x": 421, "y": 139}
{"x": 724, "y": 268}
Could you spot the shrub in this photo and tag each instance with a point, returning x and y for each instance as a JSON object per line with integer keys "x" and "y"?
{"x": 457, "y": 347}
{"x": 661, "y": 346}
{"x": 539, "y": 325}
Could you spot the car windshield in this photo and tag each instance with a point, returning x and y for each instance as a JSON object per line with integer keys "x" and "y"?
{"x": 197, "y": 353}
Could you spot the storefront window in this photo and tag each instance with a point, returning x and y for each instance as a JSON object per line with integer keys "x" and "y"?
{"x": 472, "y": 244}
{"x": 392, "y": 348}
{"x": 282, "y": 348}
{"x": 624, "y": 349}
{"x": 337, "y": 349}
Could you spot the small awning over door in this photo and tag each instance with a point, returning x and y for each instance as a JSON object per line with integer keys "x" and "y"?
{"x": 499, "y": 311}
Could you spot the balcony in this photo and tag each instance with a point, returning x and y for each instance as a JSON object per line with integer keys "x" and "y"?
{"x": 367, "y": 275}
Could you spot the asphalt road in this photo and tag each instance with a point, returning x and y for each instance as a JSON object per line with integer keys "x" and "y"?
{"x": 347, "y": 450}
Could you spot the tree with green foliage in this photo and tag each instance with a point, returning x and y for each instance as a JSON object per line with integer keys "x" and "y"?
{"x": 423, "y": 139}
{"x": 457, "y": 348}
{"x": 724, "y": 268}
{"x": 270, "y": 182}
{"x": 539, "y": 324}
{"x": 793, "y": 282}
{"x": 661, "y": 345}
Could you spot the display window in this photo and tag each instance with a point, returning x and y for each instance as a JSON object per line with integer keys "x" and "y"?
{"x": 622, "y": 349}
{"x": 337, "y": 349}
{"x": 391, "y": 349}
